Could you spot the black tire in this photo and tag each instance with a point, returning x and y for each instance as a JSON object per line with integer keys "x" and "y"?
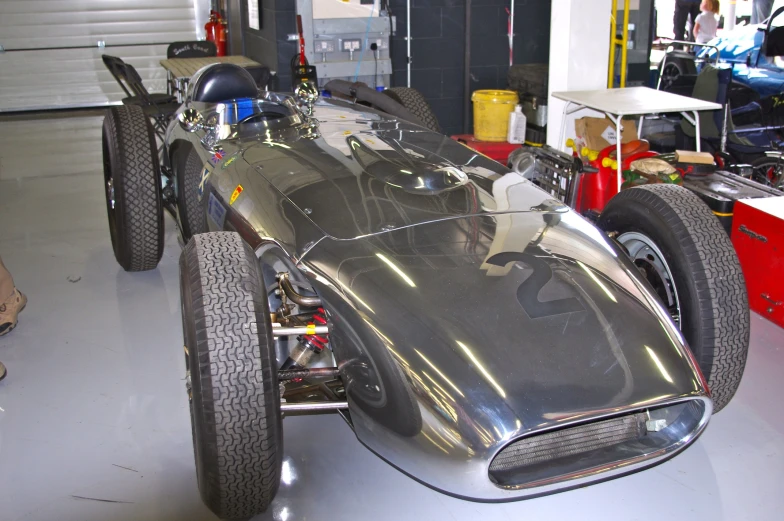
{"x": 669, "y": 74}
{"x": 416, "y": 104}
{"x": 230, "y": 357}
{"x": 132, "y": 185}
{"x": 188, "y": 168}
{"x": 714, "y": 309}
{"x": 769, "y": 171}
{"x": 675, "y": 65}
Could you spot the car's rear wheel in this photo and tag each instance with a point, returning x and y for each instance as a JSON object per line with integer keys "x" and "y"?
{"x": 132, "y": 185}
{"x": 231, "y": 376}
{"x": 683, "y": 251}
{"x": 769, "y": 171}
{"x": 669, "y": 74}
{"x": 188, "y": 169}
{"x": 415, "y": 102}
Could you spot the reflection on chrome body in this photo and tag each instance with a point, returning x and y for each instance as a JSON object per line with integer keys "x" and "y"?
{"x": 307, "y": 93}
{"x": 191, "y": 120}
{"x": 468, "y": 309}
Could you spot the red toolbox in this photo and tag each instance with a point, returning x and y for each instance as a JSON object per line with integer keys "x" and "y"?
{"x": 498, "y": 151}
{"x": 758, "y": 236}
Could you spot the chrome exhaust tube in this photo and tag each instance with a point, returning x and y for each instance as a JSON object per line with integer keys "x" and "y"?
{"x": 313, "y": 406}
{"x": 291, "y": 293}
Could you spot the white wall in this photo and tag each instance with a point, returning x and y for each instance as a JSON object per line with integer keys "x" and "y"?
{"x": 579, "y": 55}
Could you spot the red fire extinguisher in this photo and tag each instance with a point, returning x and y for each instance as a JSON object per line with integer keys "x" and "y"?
{"x": 216, "y": 32}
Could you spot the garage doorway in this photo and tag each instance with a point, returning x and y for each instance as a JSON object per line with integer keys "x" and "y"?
{"x": 50, "y": 56}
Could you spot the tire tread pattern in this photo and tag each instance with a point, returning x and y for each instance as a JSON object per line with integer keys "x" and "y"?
{"x": 415, "y": 102}
{"x": 240, "y": 416}
{"x": 193, "y": 214}
{"x": 136, "y": 178}
{"x": 721, "y": 289}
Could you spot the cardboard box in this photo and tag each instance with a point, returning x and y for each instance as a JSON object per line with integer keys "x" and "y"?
{"x": 689, "y": 156}
{"x": 600, "y": 133}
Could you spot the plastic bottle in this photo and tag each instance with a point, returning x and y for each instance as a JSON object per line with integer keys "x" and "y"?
{"x": 516, "y": 132}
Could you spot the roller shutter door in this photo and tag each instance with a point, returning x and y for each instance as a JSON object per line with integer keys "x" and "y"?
{"x": 52, "y": 54}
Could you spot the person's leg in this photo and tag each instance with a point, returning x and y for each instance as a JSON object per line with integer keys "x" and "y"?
{"x": 761, "y": 10}
{"x": 767, "y": 9}
{"x": 694, "y": 12}
{"x": 12, "y": 301}
{"x": 679, "y": 20}
{"x": 6, "y": 282}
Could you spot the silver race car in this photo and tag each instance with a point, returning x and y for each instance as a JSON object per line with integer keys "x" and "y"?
{"x": 473, "y": 331}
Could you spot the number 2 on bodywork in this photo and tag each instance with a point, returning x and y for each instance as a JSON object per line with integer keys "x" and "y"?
{"x": 528, "y": 291}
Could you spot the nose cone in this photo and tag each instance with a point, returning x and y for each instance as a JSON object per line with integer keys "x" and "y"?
{"x": 532, "y": 315}
{"x": 507, "y": 324}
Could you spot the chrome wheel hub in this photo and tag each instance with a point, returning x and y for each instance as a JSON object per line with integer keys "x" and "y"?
{"x": 650, "y": 261}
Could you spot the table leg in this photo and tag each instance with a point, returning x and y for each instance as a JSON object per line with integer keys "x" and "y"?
{"x": 182, "y": 85}
{"x": 694, "y": 119}
{"x": 561, "y": 145}
{"x": 568, "y": 109}
{"x": 639, "y": 129}
{"x": 725, "y": 128}
{"x": 618, "y": 135}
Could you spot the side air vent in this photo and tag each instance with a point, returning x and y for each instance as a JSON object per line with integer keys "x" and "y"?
{"x": 590, "y": 448}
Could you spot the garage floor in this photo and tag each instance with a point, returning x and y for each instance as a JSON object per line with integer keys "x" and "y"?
{"x": 94, "y": 416}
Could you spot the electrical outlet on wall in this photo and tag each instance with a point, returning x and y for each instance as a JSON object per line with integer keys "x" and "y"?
{"x": 350, "y": 45}
{"x": 324, "y": 46}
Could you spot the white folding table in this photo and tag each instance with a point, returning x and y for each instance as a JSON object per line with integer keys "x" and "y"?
{"x": 631, "y": 101}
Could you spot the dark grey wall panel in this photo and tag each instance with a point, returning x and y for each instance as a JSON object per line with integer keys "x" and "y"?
{"x": 269, "y": 45}
{"x": 437, "y": 48}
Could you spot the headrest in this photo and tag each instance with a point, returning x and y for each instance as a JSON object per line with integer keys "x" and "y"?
{"x": 222, "y": 82}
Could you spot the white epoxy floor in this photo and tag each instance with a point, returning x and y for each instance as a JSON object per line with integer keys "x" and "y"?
{"x": 94, "y": 422}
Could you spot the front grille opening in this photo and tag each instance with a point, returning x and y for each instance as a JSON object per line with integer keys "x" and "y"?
{"x": 592, "y": 447}
{"x": 554, "y": 176}
{"x": 569, "y": 442}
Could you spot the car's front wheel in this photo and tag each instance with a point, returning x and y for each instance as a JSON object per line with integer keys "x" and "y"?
{"x": 231, "y": 376}
{"x": 132, "y": 185}
{"x": 683, "y": 251}
{"x": 188, "y": 169}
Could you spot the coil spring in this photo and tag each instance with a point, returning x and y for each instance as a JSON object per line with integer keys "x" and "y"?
{"x": 317, "y": 342}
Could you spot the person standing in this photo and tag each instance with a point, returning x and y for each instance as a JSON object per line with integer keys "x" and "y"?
{"x": 760, "y": 10}
{"x": 12, "y": 301}
{"x": 707, "y": 23}
{"x": 684, "y": 9}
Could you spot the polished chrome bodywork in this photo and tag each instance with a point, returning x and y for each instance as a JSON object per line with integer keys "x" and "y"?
{"x": 467, "y": 308}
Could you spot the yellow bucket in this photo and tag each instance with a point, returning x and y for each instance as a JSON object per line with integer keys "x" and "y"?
{"x": 491, "y": 113}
